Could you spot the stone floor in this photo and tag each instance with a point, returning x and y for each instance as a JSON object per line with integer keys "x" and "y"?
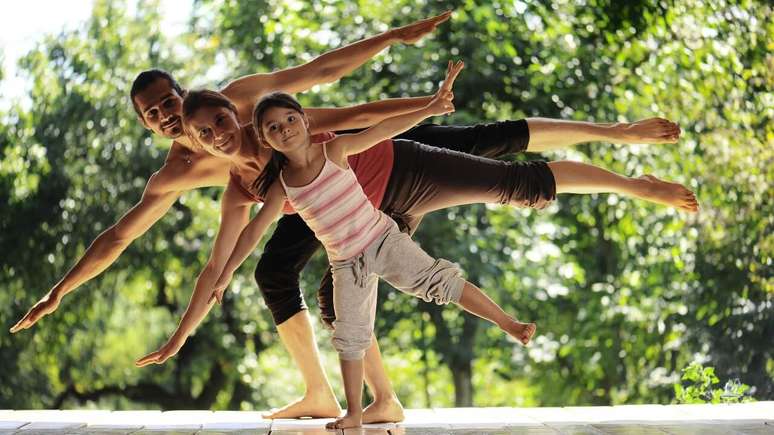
{"x": 749, "y": 418}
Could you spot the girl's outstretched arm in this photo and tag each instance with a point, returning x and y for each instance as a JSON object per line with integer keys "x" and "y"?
{"x": 345, "y": 145}
{"x": 251, "y": 235}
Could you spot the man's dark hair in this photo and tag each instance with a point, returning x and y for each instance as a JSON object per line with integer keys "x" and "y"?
{"x": 278, "y": 160}
{"x": 148, "y": 77}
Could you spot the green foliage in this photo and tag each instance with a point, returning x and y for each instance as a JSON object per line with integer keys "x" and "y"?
{"x": 625, "y": 294}
{"x": 700, "y": 389}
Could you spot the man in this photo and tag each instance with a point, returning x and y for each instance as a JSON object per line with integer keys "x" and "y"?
{"x": 157, "y": 97}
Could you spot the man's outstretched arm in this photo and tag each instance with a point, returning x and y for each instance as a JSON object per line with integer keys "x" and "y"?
{"x": 108, "y": 246}
{"x": 326, "y": 68}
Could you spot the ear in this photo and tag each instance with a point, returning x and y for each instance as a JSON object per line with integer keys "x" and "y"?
{"x": 142, "y": 121}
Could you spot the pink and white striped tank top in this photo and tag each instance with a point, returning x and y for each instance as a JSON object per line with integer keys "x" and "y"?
{"x": 337, "y": 210}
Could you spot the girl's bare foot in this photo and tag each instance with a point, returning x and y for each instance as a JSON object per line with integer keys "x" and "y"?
{"x": 345, "y": 422}
{"x": 315, "y": 406}
{"x": 383, "y": 411}
{"x": 651, "y": 130}
{"x": 663, "y": 192}
{"x": 522, "y": 332}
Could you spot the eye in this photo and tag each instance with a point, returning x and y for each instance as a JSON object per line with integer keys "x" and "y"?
{"x": 204, "y": 133}
{"x": 168, "y": 103}
{"x": 273, "y": 127}
{"x": 292, "y": 118}
{"x": 219, "y": 120}
{"x": 151, "y": 114}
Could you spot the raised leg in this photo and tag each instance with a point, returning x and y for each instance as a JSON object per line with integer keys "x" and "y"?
{"x": 550, "y": 134}
{"x": 576, "y": 177}
{"x": 475, "y": 301}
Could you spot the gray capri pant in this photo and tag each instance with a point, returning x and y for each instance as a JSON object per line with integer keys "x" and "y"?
{"x": 402, "y": 263}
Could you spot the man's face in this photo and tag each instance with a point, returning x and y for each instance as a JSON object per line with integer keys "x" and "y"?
{"x": 161, "y": 108}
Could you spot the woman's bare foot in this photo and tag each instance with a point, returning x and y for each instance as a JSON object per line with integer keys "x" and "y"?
{"x": 345, "y": 422}
{"x": 383, "y": 411}
{"x": 663, "y": 192}
{"x": 651, "y": 130}
{"x": 315, "y": 406}
{"x": 522, "y": 332}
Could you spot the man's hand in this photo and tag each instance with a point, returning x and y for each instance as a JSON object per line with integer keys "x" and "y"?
{"x": 166, "y": 351}
{"x": 220, "y": 286}
{"x": 443, "y": 103}
{"x": 46, "y": 305}
{"x": 412, "y": 33}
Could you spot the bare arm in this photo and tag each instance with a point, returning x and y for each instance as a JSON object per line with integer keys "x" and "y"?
{"x": 250, "y": 237}
{"x": 326, "y": 68}
{"x": 362, "y": 115}
{"x": 109, "y": 245}
{"x": 235, "y": 212}
{"x": 345, "y": 145}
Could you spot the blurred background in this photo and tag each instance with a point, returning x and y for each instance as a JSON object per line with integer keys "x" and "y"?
{"x": 634, "y": 303}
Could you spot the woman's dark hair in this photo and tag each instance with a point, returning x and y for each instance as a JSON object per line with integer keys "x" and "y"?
{"x": 195, "y": 100}
{"x": 278, "y": 160}
{"x": 147, "y": 78}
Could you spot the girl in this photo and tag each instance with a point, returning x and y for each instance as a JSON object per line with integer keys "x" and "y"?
{"x": 362, "y": 242}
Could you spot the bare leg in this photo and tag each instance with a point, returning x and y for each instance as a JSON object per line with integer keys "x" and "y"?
{"x": 549, "y": 134}
{"x": 475, "y": 301}
{"x": 352, "y": 374}
{"x": 386, "y": 407}
{"x": 576, "y": 177}
{"x": 319, "y": 401}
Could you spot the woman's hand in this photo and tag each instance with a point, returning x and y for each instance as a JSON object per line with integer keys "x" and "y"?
{"x": 165, "y": 352}
{"x": 442, "y": 103}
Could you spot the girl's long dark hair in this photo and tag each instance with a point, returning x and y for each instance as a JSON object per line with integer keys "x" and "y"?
{"x": 278, "y": 160}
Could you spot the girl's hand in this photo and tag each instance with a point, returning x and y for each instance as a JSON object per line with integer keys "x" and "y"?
{"x": 443, "y": 101}
{"x": 220, "y": 286}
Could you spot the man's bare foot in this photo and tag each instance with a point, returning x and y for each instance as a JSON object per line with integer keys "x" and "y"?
{"x": 345, "y": 422}
{"x": 318, "y": 406}
{"x": 522, "y": 332}
{"x": 663, "y": 192}
{"x": 383, "y": 411}
{"x": 651, "y": 130}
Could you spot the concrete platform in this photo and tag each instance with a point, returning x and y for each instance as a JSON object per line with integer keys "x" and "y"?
{"x": 750, "y": 418}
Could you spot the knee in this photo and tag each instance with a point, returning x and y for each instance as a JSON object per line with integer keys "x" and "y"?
{"x": 351, "y": 340}
{"x": 280, "y": 289}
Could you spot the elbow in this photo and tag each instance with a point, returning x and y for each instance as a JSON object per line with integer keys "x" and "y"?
{"x": 114, "y": 240}
{"x": 328, "y": 74}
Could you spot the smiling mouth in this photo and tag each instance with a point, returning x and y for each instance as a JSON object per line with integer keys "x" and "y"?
{"x": 225, "y": 142}
{"x": 285, "y": 139}
{"x": 173, "y": 125}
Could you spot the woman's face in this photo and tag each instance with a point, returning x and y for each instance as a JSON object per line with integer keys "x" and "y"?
{"x": 284, "y": 129}
{"x": 216, "y": 129}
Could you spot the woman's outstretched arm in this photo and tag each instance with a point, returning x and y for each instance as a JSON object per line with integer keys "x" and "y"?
{"x": 235, "y": 213}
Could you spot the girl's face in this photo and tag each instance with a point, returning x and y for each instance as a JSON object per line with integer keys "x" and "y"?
{"x": 216, "y": 129}
{"x": 284, "y": 129}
